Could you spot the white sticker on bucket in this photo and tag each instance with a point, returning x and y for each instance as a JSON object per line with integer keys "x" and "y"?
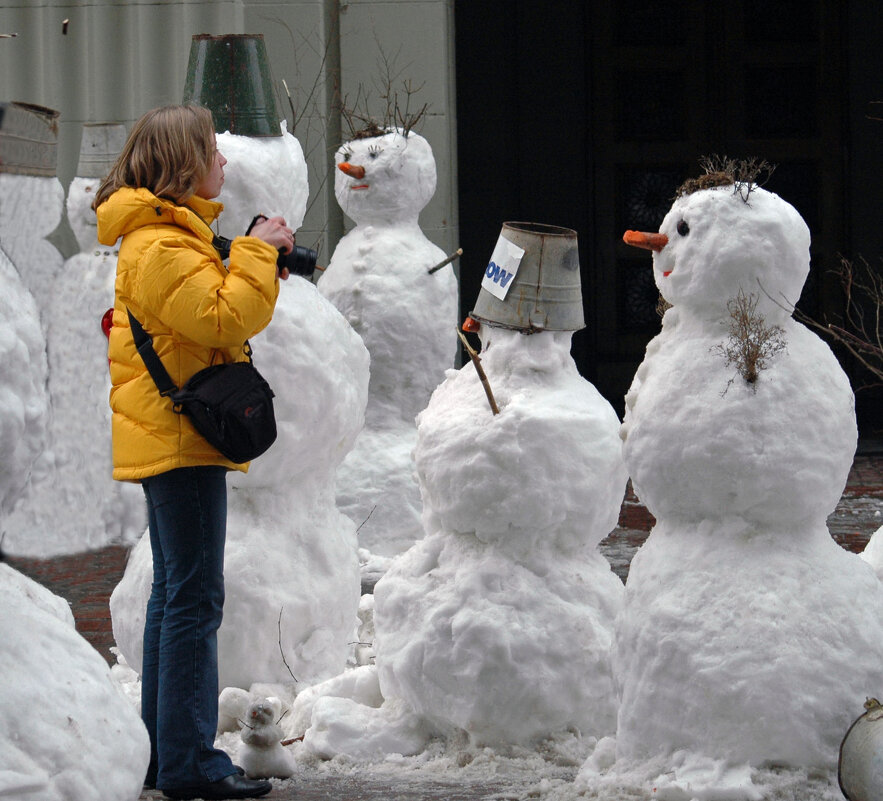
{"x": 502, "y": 267}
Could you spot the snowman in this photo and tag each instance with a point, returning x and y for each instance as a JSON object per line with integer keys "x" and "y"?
{"x": 748, "y": 636}
{"x": 499, "y": 622}
{"x": 34, "y": 197}
{"x": 24, "y": 400}
{"x": 261, "y": 754}
{"x": 76, "y": 505}
{"x": 379, "y": 279}
{"x": 291, "y": 568}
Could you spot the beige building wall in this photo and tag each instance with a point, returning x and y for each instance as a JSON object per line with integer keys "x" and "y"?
{"x": 112, "y": 61}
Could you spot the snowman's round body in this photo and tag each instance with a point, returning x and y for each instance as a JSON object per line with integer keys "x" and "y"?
{"x": 747, "y": 634}
{"x": 291, "y": 569}
{"x": 31, "y": 208}
{"x": 24, "y": 401}
{"x": 378, "y": 278}
{"x": 74, "y": 503}
{"x": 500, "y": 621}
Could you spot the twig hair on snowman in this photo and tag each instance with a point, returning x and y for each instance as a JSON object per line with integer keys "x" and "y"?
{"x": 386, "y": 171}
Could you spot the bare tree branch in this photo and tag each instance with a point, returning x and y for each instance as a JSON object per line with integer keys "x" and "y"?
{"x": 861, "y": 331}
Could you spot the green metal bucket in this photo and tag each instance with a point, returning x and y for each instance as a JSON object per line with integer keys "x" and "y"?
{"x": 230, "y": 75}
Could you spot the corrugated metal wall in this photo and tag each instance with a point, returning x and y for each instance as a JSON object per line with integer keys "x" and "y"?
{"x": 113, "y": 60}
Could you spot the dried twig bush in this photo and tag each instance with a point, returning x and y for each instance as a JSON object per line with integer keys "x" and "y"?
{"x": 861, "y": 330}
{"x": 744, "y": 175}
{"x": 397, "y": 111}
{"x": 751, "y": 343}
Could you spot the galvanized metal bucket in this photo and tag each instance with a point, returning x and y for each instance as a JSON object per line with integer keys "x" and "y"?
{"x": 860, "y": 769}
{"x": 100, "y": 145}
{"x": 28, "y": 139}
{"x": 231, "y": 76}
{"x": 545, "y": 292}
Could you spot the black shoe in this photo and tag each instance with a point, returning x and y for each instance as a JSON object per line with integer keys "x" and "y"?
{"x": 150, "y": 784}
{"x": 233, "y": 786}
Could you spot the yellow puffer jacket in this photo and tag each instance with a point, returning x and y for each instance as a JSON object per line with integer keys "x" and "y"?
{"x": 197, "y": 312}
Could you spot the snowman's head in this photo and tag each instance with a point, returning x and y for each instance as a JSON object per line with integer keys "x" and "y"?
{"x": 263, "y": 174}
{"x": 720, "y": 242}
{"x": 80, "y": 214}
{"x": 384, "y": 179}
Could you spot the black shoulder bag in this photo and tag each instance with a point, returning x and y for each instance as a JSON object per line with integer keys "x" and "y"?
{"x": 230, "y": 405}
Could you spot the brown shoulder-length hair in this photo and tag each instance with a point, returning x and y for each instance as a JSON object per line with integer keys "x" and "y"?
{"x": 169, "y": 151}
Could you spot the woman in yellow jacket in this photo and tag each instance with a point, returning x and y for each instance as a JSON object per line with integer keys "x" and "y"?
{"x": 158, "y": 198}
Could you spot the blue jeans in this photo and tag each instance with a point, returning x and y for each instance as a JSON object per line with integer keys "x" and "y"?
{"x": 187, "y": 519}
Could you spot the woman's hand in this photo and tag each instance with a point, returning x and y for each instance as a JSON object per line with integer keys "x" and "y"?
{"x": 274, "y": 232}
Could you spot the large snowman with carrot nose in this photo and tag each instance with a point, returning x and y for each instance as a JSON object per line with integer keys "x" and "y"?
{"x": 379, "y": 279}
{"x": 748, "y": 635}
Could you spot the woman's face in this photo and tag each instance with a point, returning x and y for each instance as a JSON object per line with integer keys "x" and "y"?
{"x": 211, "y": 185}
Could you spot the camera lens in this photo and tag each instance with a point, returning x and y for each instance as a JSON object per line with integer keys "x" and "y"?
{"x": 300, "y": 261}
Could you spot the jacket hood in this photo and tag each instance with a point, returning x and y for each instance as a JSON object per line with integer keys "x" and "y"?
{"x": 128, "y": 209}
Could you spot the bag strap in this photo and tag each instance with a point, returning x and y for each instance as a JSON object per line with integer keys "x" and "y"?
{"x": 144, "y": 345}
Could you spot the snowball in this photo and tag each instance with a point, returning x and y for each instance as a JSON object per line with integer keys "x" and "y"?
{"x": 341, "y": 726}
{"x": 360, "y": 685}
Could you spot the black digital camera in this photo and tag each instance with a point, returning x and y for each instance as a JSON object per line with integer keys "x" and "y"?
{"x": 299, "y": 261}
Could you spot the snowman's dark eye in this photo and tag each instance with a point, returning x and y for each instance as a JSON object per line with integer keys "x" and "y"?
{"x": 683, "y": 228}
{"x": 374, "y": 151}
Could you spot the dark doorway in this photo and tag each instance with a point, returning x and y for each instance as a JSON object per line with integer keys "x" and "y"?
{"x": 590, "y": 115}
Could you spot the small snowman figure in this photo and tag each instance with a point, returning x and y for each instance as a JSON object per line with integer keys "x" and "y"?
{"x": 379, "y": 279}
{"x": 748, "y": 635}
{"x": 262, "y": 755}
{"x": 500, "y": 620}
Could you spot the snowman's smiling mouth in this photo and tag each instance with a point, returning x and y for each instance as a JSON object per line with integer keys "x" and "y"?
{"x": 360, "y": 186}
{"x": 666, "y": 273}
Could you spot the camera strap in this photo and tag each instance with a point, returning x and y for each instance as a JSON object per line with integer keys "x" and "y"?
{"x": 157, "y": 370}
{"x": 144, "y": 345}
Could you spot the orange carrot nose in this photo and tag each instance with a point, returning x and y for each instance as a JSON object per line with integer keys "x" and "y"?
{"x": 353, "y": 170}
{"x": 640, "y": 239}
